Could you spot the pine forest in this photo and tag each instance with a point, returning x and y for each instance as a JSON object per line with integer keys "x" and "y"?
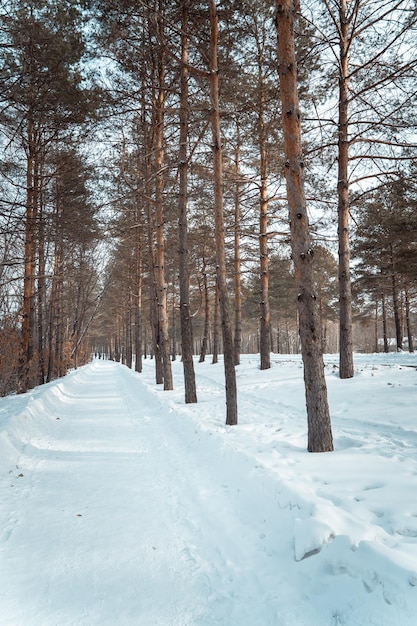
{"x": 193, "y": 180}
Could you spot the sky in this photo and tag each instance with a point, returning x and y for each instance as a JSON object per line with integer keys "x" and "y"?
{"x": 122, "y": 505}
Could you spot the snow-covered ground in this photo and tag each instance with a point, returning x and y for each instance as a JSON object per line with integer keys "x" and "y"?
{"x": 120, "y": 505}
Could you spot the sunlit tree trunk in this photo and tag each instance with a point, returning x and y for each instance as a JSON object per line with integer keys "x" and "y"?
{"x": 345, "y": 292}
{"x": 318, "y": 417}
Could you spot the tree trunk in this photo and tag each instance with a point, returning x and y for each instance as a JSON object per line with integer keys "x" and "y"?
{"x": 153, "y": 279}
{"x": 264, "y": 344}
{"x": 203, "y": 350}
{"x": 174, "y": 328}
{"x": 215, "y": 358}
{"x": 397, "y": 317}
{"x": 138, "y": 285}
{"x": 59, "y": 318}
{"x": 237, "y": 345}
{"x": 128, "y": 322}
{"x": 319, "y": 427}
{"x": 408, "y": 322}
{"x": 160, "y": 242}
{"x": 185, "y": 316}
{"x": 228, "y": 351}
{"x": 384, "y": 323}
{"x": 28, "y": 310}
{"x": 345, "y": 293}
{"x": 41, "y": 288}
{"x": 395, "y": 302}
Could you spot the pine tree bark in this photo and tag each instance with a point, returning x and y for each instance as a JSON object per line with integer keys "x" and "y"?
{"x": 138, "y": 287}
{"x": 204, "y": 343}
{"x": 264, "y": 335}
{"x": 237, "y": 344}
{"x": 128, "y": 325}
{"x": 28, "y": 309}
{"x": 384, "y": 323}
{"x": 54, "y": 304}
{"x": 318, "y": 417}
{"x": 395, "y": 302}
{"x": 215, "y": 334}
{"x": 264, "y": 344}
{"x": 346, "y": 369}
{"x": 159, "y": 217}
{"x": 408, "y": 321}
{"x": 185, "y": 316}
{"x": 41, "y": 291}
{"x": 150, "y": 219}
{"x": 228, "y": 351}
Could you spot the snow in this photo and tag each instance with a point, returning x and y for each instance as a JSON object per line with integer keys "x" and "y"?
{"x": 123, "y": 506}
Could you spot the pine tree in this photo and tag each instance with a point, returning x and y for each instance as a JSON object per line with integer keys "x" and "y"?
{"x": 319, "y": 427}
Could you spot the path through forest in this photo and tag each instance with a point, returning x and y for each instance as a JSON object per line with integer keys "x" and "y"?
{"x": 122, "y": 506}
{"x": 135, "y": 523}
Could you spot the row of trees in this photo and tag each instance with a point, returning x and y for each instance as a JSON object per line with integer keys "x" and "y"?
{"x": 161, "y": 127}
{"x": 48, "y": 219}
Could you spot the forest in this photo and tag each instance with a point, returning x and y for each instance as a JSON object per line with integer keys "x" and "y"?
{"x": 182, "y": 179}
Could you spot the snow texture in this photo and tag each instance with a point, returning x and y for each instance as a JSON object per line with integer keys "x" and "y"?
{"x": 121, "y": 505}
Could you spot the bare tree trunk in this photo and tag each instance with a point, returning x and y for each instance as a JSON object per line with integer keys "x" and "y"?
{"x": 54, "y": 308}
{"x": 138, "y": 285}
{"x": 408, "y": 321}
{"x": 237, "y": 262}
{"x": 396, "y": 305}
{"x": 228, "y": 352}
{"x": 204, "y": 343}
{"x": 397, "y": 317}
{"x": 174, "y": 327}
{"x": 28, "y": 310}
{"x": 153, "y": 280}
{"x": 59, "y": 318}
{"x": 117, "y": 341}
{"x": 319, "y": 427}
{"x": 264, "y": 343}
{"x": 384, "y": 323}
{"x": 160, "y": 242}
{"x": 41, "y": 288}
{"x": 128, "y": 323}
{"x": 185, "y": 316}
{"x": 346, "y": 369}
{"x": 215, "y": 358}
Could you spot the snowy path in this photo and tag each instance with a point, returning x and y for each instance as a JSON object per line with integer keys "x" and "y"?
{"x": 122, "y": 506}
{"x": 135, "y": 523}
